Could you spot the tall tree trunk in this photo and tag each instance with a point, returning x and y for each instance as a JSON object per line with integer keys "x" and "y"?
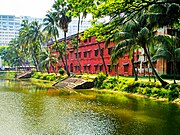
{"x": 149, "y": 59}
{"x": 66, "y": 54}
{"x": 77, "y": 50}
{"x": 61, "y": 56}
{"x": 34, "y": 60}
{"x": 104, "y": 64}
{"x": 174, "y": 71}
{"x": 47, "y": 69}
{"x": 134, "y": 71}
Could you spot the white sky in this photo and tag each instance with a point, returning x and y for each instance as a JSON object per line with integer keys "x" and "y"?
{"x": 33, "y": 8}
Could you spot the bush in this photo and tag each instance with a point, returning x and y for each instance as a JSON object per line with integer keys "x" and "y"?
{"x": 173, "y": 94}
{"x": 99, "y": 80}
{"x": 45, "y": 76}
{"x": 36, "y": 75}
{"x": 61, "y": 71}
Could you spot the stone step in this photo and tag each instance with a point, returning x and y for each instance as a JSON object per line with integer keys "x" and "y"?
{"x": 24, "y": 75}
{"x": 71, "y": 83}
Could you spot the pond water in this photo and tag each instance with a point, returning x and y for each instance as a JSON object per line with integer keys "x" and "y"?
{"x": 30, "y": 109}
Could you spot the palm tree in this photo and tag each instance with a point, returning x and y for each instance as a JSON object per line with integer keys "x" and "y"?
{"x": 50, "y": 26}
{"x": 168, "y": 49}
{"x": 48, "y": 59}
{"x": 137, "y": 35}
{"x": 144, "y": 38}
{"x": 60, "y": 10}
{"x": 125, "y": 43}
{"x": 31, "y": 39}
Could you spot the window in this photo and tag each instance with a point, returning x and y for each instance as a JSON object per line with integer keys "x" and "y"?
{"x": 85, "y": 54}
{"x": 90, "y": 39}
{"x": 96, "y": 52}
{"x": 11, "y": 23}
{"x": 102, "y": 52}
{"x": 89, "y": 52}
{"x": 17, "y": 23}
{"x": 89, "y": 67}
{"x": 96, "y": 68}
{"x": 100, "y": 67}
{"x": 85, "y": 68}
{"x": 126, "y": 67}
{"x": 109, "y": 68}
{"x": 79, "y": 53}
{"x": 116, "y": 68}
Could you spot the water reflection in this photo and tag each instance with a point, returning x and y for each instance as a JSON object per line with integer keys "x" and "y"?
{"x": 31, "y": 109}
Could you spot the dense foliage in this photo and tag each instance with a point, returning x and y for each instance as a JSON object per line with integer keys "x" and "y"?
{"x": 151, "y": 89}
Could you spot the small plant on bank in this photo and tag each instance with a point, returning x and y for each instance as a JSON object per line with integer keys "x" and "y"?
{"x": 61, "y": 71}
{"x": 99, "y": 80}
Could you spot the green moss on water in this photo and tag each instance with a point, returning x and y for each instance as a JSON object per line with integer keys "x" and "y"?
{"x": 7, "y": 74}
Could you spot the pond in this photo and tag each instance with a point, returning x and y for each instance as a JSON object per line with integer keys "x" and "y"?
{"x": 30, "y": 109}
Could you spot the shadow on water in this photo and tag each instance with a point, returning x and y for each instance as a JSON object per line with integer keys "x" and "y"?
{"x": 35, "y": 109}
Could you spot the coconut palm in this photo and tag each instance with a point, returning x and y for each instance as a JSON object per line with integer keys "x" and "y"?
{"x": 137, "y": 35}
{"x": 48, "y": 59}
{"x": 61, "y": 8}
{"x": 50, "y": 26}
{"x": 31, "y": 39}
{"x": 169, "y": 49}
{"x": 125, "y": 43}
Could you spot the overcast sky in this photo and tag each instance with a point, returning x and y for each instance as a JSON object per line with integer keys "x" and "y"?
{"x": 33, "y": 8}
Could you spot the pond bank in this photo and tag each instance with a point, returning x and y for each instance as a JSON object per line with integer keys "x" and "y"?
{"x": 102, "y": 91}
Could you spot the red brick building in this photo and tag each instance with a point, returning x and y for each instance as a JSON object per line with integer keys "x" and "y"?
{"x": 91, "y": 60}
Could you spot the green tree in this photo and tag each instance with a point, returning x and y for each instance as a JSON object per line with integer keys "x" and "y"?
{"x": 31, "y": 38}
{"x": 126, "y": 42}
{"x": 48, "y": 59}
{"x": 50, "y": 26}
{"x": 61, "y": 8}
{"x": 169, "y": 49}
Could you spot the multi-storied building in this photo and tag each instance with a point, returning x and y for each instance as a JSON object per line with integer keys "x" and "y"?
{"x": 10, "y": 25}
{"x": 90, "y": 56}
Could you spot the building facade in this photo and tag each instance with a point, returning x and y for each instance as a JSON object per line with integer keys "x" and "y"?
{"x": 90, "y": 57}
{"x": 10, "y": 25}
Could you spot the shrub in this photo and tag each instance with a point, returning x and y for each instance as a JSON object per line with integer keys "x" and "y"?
{"x": 163, "y": 93}
{"x": 99, "y": 80}
{"x": 155, "y": 92}
{"x": 36, "y": 75}
{"x": 173, "y": 91}
{"x": 61, "y": 71}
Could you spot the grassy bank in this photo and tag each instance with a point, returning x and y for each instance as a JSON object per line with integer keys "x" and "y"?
{"x": 7, "y": 74}
{"x": 143, "y": 87}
